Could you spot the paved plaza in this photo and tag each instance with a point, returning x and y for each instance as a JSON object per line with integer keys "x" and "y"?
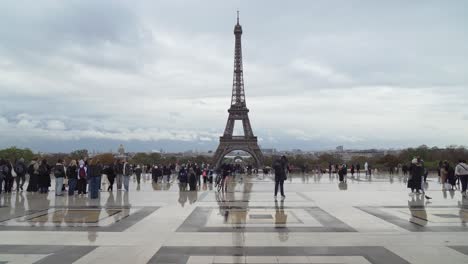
{"x": 320, "y": 221}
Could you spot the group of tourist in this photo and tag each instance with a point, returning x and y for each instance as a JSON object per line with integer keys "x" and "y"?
{"x": 448, "y": 176}
{"x": 86, "y": 175}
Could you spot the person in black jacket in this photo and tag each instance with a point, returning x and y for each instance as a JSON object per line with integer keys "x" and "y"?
{"x": 280, "y": 175}
{"x": 109, "y": 171}
{"x": 72, "y": 176}
{"x": 33, "y": 171}
{"x": 94, "y": 174}
{"x": 20, "y": 169}
{"x": 44, "y": 177}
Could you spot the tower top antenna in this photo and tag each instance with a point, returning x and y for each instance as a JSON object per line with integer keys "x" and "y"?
{"x": 238, "y": 17}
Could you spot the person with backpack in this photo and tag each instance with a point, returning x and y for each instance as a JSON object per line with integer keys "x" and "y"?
{"x": 44, "y": 177}
{"x": 82, "y": 177}
{"x": 127, "y": 172}
{"x": 183, "y": 179}
{"x": 59, "y": 173}
{"x": 72, "y": 176}
{"x": 461, "y": 171}
{"x": 33, "y": 171}
{"x": 20, "y": 169}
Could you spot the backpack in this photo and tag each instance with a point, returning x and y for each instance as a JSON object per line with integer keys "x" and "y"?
{"x": 82, "y": 173}
{"x": 19, "y": 169}
{"x": 59, "y": 171}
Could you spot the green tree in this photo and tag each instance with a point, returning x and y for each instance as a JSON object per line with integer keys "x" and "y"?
{"x": 14, "y": 153}
{"x": 79, "y": 154}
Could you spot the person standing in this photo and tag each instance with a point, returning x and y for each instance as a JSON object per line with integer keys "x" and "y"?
{"x": 33, "y": 171}
{"x": 461, "y": 171}
{"x": 44, "y": 177}
{"x": 127, "y": 172}
{"x": 94, "y": 173}
{"x": 280, "y": 176}
{"x": 118, "y": 170}
{"x": 20, "y": 169}
{"x": 366, "y": 168}
{"x": 358, "y": 169}
{"x": 59, "y": 173}
{"x": 72, "y": 176}
{"x": 352, "y": 170}
{"x": 82, "y": 177}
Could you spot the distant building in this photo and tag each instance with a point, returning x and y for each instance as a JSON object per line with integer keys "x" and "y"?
{"x": 339, "y": 149}
{"x": 121, "y": 154}
{"x": 269, "y": 151}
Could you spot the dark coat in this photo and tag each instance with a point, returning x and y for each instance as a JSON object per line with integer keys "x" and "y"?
{"x": 417, "y": 172}
{"x": 280, "y": 171}
{"x": 44, "y": 175}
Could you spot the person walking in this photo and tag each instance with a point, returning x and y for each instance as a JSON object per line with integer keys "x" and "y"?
{"x": 461, "y": 171}
{"x": 127, "y": 172}
{"x": 60, "y": 174}
{"x": 280, "y": 176}
{"x": 366, "y": 168}
{"x": 4, "y": 171}
{"x": 9, "y": 177}
{"x": 138, "y": 172}
{"x": 444, "y": 173}
{"x": 82, "y": 177}
{"x": 109, "y": 171}
{"x": 72, "y": 176}
{"x": 20, "y": 169}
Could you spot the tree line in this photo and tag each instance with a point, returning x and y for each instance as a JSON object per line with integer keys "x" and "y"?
{"x": 431, "y": 157}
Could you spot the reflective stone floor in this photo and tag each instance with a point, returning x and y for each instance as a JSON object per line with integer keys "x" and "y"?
{"x": 320, "y": 221}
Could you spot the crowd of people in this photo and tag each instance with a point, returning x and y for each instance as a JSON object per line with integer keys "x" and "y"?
{"x": 80, "y": 177}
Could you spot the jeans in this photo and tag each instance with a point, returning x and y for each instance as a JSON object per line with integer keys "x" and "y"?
{"x": 464, "y": 182}
{"x": 1, "y": 181}
{"x": 119, "y": 181}
{"x": 58, "y": 185}
{"x": 126, "y": 182}
{"x": 280, "y": 183}
{"x": 94, "y": 187}
{"x": 71, "y": 186}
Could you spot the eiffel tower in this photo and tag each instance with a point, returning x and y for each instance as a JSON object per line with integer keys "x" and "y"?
{"x": 238, "y": 111}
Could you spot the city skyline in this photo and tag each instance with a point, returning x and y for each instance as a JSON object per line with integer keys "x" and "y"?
{"x": 317, "y": 74}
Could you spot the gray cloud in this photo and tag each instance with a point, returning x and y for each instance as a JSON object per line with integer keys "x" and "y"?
{"x": 317, "y": 73}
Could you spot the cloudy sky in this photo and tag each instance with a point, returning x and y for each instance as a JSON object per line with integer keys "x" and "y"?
{"x": 158, "y": 74}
